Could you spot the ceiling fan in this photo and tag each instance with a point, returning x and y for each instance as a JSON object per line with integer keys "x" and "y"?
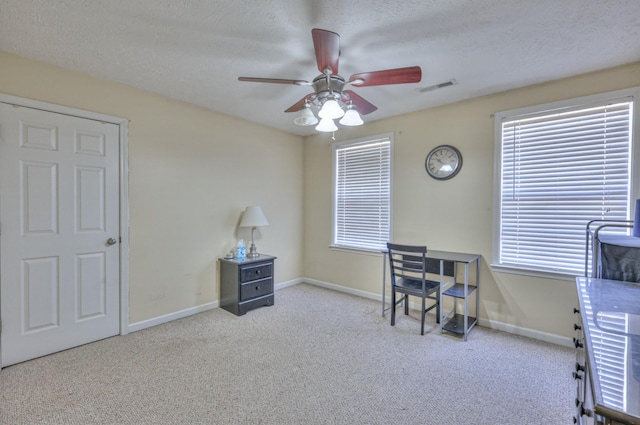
{"x": 329, "y": 94}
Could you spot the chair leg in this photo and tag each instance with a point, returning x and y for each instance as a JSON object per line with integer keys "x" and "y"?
{"x": 406, "y": 304}
{"x": 393, "y": 307}
{"x": 423, "y": 314}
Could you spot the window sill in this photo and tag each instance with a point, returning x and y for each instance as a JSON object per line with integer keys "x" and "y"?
{"x": 533, "y": 273}
{"x": 353, "y": 250}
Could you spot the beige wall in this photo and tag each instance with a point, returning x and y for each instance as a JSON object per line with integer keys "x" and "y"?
{"x": 453, "y": 215}
{"x": 192, "y": 172}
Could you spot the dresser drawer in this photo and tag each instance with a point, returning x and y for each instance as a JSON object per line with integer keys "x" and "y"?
{"x": 256, "y": 288}
{"x": 257, "y": 271}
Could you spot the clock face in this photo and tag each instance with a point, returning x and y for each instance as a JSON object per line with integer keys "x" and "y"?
{"x": 443, "y": 162}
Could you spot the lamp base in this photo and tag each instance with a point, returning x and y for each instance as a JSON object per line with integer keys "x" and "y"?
{"x": 253, "y": 252}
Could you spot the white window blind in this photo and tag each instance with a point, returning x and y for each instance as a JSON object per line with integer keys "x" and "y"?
{"x": 362, "y": 193}
{"x": 559, "y": 170}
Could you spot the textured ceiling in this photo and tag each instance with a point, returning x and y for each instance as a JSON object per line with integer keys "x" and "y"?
{"x": 195, "y": 50}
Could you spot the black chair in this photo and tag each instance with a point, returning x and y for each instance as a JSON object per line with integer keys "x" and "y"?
{"x": 409, "y": 267}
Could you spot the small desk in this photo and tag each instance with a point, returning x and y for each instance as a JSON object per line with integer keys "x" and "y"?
{"x": 449, "y": 321}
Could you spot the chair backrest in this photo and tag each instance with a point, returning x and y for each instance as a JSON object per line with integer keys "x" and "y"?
{"x": 407, "y": 261}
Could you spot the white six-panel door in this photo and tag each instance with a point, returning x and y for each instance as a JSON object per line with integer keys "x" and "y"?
{"x": 59, "y": 232}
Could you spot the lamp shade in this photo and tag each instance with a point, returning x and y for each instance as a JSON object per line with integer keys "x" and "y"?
{"x": 305, "y": 117}
{"x": 331, "y": 109}
{"x": 326, "y": 125}
{"x": 351, "y": 117}
{"x": 253, "y": 217}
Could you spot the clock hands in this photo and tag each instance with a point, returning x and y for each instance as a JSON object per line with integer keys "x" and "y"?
{"x": 443, "y": 162}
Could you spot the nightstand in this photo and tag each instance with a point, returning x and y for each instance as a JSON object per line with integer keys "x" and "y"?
{"x": 246, "y": 284}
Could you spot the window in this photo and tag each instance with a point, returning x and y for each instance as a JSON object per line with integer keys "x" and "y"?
{"x": 560, "y": 166}
{"x": 362, "y": 193}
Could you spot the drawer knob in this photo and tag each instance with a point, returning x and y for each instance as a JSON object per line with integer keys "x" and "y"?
{"x": 258, "y": 272}
{"x": 577, "y": 343}
{"x": 576, "y": 310}
{"x": 577, "y": 327}
{"x": 257, "y": 288}
{"x": 577, "y": 376}
{"x": 579, "y": 367}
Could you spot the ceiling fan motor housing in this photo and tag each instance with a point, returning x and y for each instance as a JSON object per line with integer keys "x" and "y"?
{"x": 327, "y": 85}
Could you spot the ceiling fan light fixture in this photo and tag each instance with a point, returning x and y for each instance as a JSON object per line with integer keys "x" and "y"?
{"x": 328, "y": 94}
{"x": 305, "y": 117}
{"x": 326, "y": 125}
{"x": 331, "y": 109}
{"x": 351, "y": 117}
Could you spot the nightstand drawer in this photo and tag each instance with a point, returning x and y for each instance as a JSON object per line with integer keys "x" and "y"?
{"x": 256, "y": 288}
{"x": 245, "y": 306}
{"x": 253, "y": 272}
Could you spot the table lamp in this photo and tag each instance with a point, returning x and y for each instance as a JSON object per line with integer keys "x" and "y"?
{"x": 253, "y": 217}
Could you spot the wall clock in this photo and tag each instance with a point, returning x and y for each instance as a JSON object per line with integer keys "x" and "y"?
{"x": 443, "y": 162}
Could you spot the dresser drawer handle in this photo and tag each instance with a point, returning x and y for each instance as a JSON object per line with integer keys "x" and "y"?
{"x": 577, "y": 343}
{"x": 585, "y": 412}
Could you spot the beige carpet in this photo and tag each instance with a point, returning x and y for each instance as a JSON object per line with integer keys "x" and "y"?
{"x": 316, "y": 357}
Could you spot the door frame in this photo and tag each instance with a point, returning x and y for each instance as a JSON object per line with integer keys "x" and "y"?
{"x": 123, "y": 124}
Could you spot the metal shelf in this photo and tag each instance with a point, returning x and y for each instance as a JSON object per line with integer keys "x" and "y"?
{"x": 456, "y": 324}
{"x": 457, "y": 290}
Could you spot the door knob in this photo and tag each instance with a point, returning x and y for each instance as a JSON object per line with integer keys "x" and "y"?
{"x": 111, "y": 241}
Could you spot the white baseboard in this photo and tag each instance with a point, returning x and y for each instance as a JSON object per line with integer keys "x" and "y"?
{"x": 529, "y": 333}
{"x": 491, "y": 324}
{"x": 363, "y": 294}
{"x": 288, "y": 283}
{"x": 193, "y": 310}
{"x": 138, "y": 326}
{"x": 487, "y": 323}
